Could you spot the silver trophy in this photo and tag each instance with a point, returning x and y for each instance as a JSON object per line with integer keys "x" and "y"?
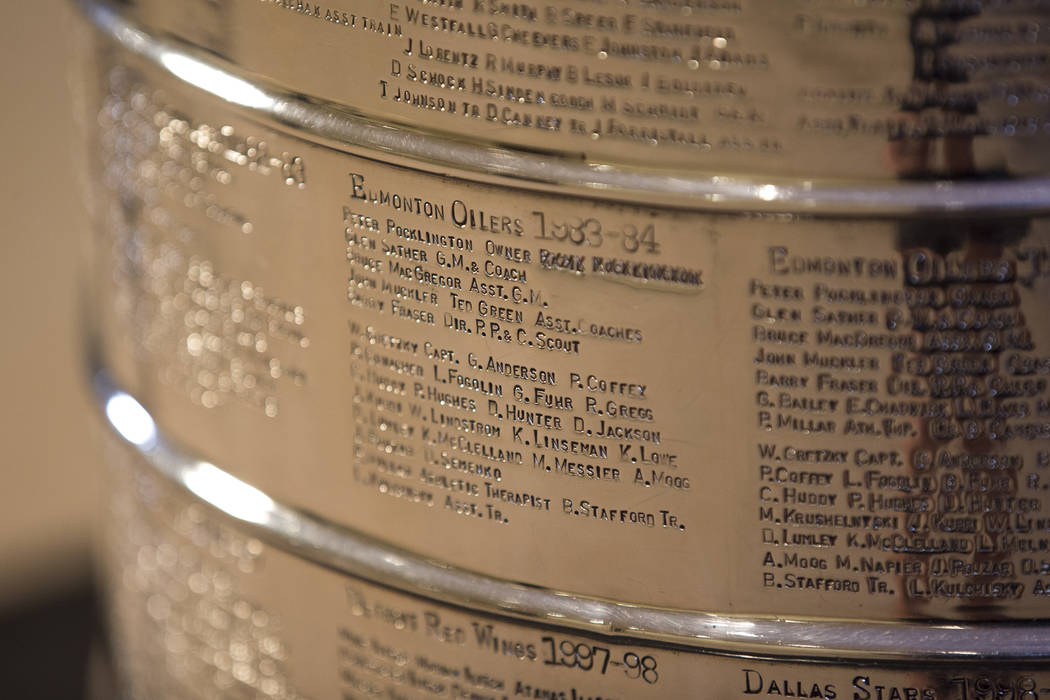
{"x": 475, "y": 349}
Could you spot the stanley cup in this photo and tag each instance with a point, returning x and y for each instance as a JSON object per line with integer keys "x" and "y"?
{"x": 574, "y": 349}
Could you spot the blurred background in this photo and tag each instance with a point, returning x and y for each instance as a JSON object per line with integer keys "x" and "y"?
{"x": 50, "y": 469}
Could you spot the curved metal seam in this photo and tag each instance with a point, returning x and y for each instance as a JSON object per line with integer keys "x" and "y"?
{"x": 357, "y": 554}
{"x": 525, "y": 169}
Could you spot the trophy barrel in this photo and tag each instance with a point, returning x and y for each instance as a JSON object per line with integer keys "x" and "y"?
{"x": 658, "y": 348}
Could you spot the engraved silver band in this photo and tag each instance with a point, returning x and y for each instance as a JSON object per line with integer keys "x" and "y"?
{"x": 353, "y": 553}
{"x": 339, "y": 127}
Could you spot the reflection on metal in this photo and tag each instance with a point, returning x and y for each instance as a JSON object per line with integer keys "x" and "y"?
{"x": 216, "y": 81}
{"x": 355, "y": 554}
{"x": 787, "y": 404}
{"x": 340, "y": 127}
{"x": 131, "y": 420}
{"x": 228, "y": 493}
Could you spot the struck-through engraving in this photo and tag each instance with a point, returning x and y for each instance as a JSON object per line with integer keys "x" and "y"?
{"x": 862, "y": 402}
{"x": 576, "y": 351}
{"x": 500, "y": 365}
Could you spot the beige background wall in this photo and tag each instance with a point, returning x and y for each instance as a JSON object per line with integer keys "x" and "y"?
{"x": 48, "y": 471}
